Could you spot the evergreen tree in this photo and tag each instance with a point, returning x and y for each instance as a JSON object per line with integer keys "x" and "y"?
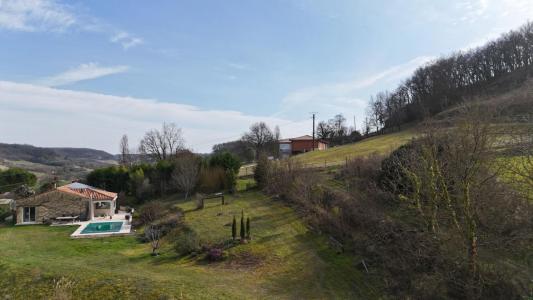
{"x": 248, "y": 227}
{"x": 234, "y": 228}
{"x": 243, "y": 233}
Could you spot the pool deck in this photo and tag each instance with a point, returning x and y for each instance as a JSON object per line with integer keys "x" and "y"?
{"x": 119, "y": 217}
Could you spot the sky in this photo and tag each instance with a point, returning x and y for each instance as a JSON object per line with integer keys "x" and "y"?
{"x": 83, "y": 73}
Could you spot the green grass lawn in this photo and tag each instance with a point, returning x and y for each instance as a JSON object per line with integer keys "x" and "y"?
{"x": 382, "y": 144}
{"x": 283, "y": 260}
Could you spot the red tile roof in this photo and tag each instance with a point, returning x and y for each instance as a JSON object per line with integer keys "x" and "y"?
{"x": 87, "y": 191}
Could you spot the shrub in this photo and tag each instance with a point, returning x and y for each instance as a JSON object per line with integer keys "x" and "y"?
{"x": 243, "y": 231}
{"x": 4, "y": 213}
{"x": 212, "y": 179}
{"x": 234, "y": 228}
{"x": 13, "y": 178}
{"x": 186, "y": 242}
{"x": 215, "y": 254}
{"x": 115, "y": 178}
{"x": 261, "y": 171}
{"x": 248, "y": 227}
{"x": 225, "y": 160}
{"x": 150, "y": 212}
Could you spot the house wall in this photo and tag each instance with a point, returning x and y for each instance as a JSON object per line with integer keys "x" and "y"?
{"x": 53, "y": 204}
{"x": 305, "y": 146}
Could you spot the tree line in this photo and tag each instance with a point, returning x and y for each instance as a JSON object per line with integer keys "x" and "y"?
{"x": 165, "y": 166}
{"x": 450, "y": 80}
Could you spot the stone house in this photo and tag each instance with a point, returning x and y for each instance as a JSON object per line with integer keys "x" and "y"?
{"x": 75, "y": 201}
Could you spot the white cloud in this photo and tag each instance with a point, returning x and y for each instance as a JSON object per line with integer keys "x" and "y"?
{"x": 125, "y": 39}
{"x": 52, "y": 16}
{"x": 80, "y": 73}
{"x": 346, "y": 96}
{"x": 501, "y": 15}
{"x": 35, "y": 15}
{"x": 54, "y": 117}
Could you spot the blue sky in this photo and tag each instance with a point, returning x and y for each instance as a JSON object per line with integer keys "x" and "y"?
{"x": 82, "y": 73}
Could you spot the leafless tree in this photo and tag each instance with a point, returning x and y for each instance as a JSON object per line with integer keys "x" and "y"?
{"x": 324, "y": 131}
{"x": 162, "y": 144}
{"x": 260, "y": 136}
{"x": 450, "y": 176}
{"x": 125, "y": 155}
{"x": 186, "y": 172}
{"x": 154, "y": 234}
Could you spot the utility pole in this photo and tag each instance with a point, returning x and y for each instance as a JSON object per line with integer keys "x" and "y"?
{"x": 354, "y": 127}
{"x": 313, "y": 146}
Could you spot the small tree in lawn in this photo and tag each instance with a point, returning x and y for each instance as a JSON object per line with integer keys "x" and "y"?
{"x": 153, "y": 233}
{"x": 234, "y": 228}
{"x": 243, "y": 233}
{"x": 248, "y": 227}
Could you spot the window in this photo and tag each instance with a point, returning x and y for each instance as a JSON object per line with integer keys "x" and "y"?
{"x": 29, "y": 214}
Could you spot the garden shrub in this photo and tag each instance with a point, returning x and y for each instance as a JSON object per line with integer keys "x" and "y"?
{"x": 215, "y": 254}
{"x": 186, "y": 242}
{"x": 212, "y": 179}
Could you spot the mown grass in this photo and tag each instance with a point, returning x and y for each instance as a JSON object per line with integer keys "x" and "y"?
{"x": 382, "y": 144}
{"x": 284, "y": 260}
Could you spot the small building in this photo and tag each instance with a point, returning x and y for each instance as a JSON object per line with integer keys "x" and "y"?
{"x": 76, "y": 201}
{"x": 300, "y": 144}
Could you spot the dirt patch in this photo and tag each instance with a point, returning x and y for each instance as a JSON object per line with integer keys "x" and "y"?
{"x": 244, "y": 260}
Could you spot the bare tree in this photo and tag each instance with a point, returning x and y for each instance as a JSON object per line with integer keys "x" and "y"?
{"x": 154, "y": 234}
{"x": 450, "y": 176}
{"x": 162, "y": 144}
{"x": 186, "y": 172}
{"x": 125, "y": 155}
{"x": 324, "y": 131}
{"x": 260, "y": 136}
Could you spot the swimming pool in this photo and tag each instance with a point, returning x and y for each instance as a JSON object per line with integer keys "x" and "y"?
{"x": 101, "y": 227}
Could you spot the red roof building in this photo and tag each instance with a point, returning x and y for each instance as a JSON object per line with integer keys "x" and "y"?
{"x": 301, "y": 144}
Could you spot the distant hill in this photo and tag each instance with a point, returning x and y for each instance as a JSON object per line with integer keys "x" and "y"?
{"x": 46, "y": 155}
{"x": 65, "y": 163}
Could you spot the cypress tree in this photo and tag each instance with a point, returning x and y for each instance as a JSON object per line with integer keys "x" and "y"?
{"x": 243, "y": 233}
{"x": 234, "y": 228}
{"x": 248, "y": 227}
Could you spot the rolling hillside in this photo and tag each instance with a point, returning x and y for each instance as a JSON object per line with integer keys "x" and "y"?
{"x": 65, "y": 163}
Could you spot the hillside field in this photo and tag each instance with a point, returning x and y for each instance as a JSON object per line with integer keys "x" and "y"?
{"x": 283, "y": 260}
{"x": 381, "y": 144}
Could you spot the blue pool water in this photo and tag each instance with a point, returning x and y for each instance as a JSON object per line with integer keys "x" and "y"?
{"x": 102, "y": 227}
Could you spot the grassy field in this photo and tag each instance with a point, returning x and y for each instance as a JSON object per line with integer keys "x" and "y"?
{"x": 382, "y": 144}
{"x": 284, "y": 260}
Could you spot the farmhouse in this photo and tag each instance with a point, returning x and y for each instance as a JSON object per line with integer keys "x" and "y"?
{"x": 300, "y": 144}
{"x": 75, "y": 201}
